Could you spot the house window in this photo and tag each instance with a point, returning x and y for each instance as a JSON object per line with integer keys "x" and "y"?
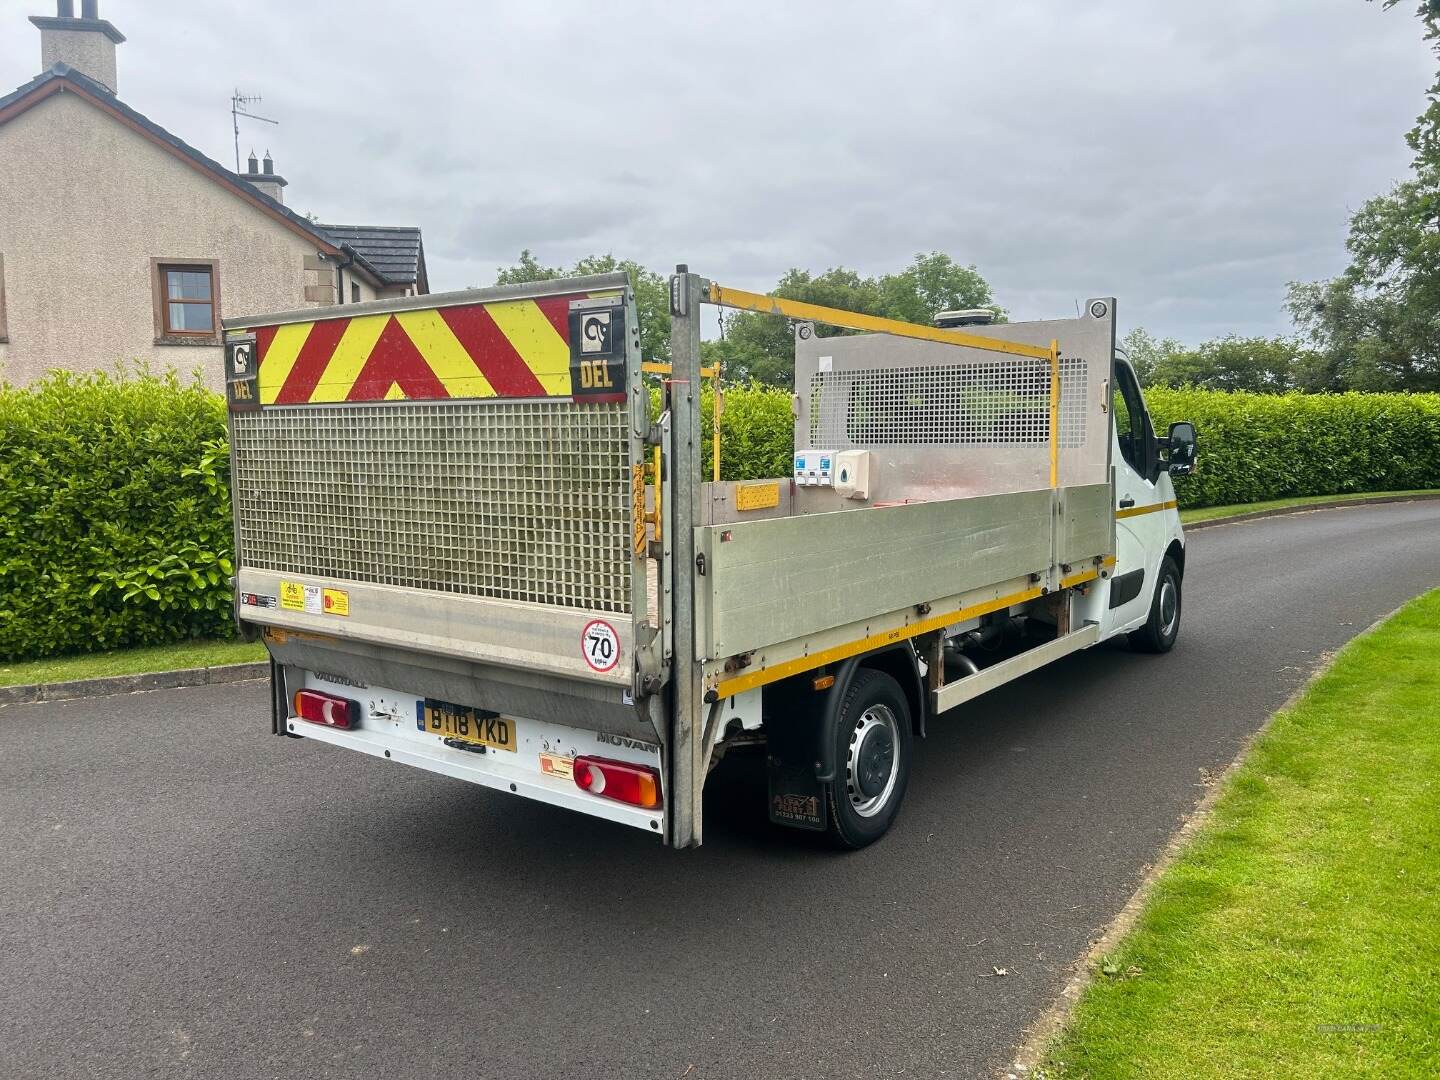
{"x": 354, "y": 293}
{"x": 189, "y": 297}
{"x": 186, "y": 294}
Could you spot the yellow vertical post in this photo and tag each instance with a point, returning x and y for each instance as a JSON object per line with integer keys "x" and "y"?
{"x": 1054, "y": 413}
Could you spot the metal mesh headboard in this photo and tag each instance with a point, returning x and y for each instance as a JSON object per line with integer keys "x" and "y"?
{"x": 1004, "y": 401}
{"x": 513, "y": 500}
{"x": 943, "y": 421}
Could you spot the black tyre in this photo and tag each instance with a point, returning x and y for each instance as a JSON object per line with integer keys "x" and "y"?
{"x": 1163, "y": 627}
{"x": 873, "y": 742}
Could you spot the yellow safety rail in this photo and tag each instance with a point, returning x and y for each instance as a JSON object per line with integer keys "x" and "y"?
{"x": 721, "y": 296}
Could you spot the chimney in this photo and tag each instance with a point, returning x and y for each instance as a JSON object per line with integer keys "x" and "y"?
{"x": 269, "y": 181}
{"x": 86, "y": 44}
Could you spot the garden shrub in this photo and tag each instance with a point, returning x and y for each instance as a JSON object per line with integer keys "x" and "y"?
{"x": 114, "y": 514}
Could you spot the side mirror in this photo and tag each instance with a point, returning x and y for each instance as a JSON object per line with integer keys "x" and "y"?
{"x": 1181, "y": 460}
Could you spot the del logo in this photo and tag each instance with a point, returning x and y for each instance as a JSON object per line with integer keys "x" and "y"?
{"x": 595, "y": 375}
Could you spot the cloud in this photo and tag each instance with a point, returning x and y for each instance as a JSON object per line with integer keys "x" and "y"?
{"x": 1189, "y": 159}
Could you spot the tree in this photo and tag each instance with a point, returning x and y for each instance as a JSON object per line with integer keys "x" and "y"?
{"x": 931, "y": 284}
{"x": 761, "y": 347}
{"x": 1260, "y": 364}
{"x": 1146, "y": 353}
{"x": 652, "y": 293}
{"x": 1377, "y": 325}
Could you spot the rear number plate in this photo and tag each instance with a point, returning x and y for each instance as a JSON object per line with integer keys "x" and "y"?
{"x": 463, "y": 724}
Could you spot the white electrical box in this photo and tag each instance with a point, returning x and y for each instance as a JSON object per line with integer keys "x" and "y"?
{"x": 852, "y": 474}
{"x": 814, "y": 468}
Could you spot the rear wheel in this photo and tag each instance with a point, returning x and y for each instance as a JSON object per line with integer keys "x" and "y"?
{"x": 1163, "y": 627}
{"x": 872, "y": 758}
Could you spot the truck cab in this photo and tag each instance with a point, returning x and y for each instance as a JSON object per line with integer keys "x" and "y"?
{"x": 1149, "y": 541}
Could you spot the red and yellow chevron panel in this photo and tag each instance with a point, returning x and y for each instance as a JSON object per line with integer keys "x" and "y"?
{"x": 509, "y": 349}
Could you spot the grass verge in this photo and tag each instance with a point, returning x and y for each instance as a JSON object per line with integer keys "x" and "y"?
{"x": 190, "y": 654}
{"x": 1299, "y": 934}
{"x": 1205, "y": 513}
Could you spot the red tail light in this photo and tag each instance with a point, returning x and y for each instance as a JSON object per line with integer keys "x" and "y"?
{"x": 327, "y": 709}
{"x": 619, "y": 780}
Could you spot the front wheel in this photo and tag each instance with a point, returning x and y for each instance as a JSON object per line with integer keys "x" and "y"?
{"x": 872, "y": 758}
{"x": 1163, "y": 627}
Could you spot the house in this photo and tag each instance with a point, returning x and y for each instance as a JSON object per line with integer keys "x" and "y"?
{"x": 119, "y": 240}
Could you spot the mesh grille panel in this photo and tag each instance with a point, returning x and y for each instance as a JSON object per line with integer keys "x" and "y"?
{"x": 1073, "y": 374}
{"x": 511, "y": 500}
{"x": 987, "y": 402}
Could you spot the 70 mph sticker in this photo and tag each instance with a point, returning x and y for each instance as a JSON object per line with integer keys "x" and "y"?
{"x": 600, "y": 645}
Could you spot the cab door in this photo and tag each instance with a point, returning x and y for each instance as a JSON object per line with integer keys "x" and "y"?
{"x": 1139, "y": 503}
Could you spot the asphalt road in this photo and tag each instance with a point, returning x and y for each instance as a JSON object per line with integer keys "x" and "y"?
{"x": 182, "y": 894}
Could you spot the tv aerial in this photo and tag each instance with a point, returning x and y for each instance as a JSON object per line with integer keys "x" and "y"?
{"x": 240, "y": 105}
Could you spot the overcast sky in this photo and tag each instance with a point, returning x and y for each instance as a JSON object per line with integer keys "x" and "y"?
{"x": 1188, "y": 158}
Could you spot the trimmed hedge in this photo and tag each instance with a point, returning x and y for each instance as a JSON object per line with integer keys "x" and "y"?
{"x": 1255, "y": 447}
{"x": 114, "y": 514}
{"x": 115, "y": 508}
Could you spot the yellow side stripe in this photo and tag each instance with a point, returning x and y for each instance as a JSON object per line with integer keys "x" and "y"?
{"x": 280, "y": 359}
{"x": 740, "y": 683}
{"x": 535, "y": 340}
{"x": 1136, "y": 511}
{"x": 437, "y": 343}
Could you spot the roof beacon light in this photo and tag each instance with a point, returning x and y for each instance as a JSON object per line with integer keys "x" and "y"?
{"x": 975, "y": 316}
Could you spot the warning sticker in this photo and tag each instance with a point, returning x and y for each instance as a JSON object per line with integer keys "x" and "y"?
{"x": 296, "y": 596}
{"x": 600, "y": 645}
{"x": 336, "y": 602}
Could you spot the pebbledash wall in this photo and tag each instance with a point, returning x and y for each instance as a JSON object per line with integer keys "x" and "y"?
{"x": 87, "y": 206}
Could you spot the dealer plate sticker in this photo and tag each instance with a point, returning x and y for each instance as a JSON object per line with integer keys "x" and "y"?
{"x": 557, "y": 765}
{"x": 600, "y": 645}
{"x": 297, "y": 596}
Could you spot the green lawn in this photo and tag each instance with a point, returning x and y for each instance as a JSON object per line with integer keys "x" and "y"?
{"x": 131, "y": 661}
{"x": 1299, "y": 934}
{"x": 1205, "y": 513}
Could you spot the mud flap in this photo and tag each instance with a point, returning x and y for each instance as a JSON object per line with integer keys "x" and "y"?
{"x": 796, "y": 757}
{"x": 797, "y": 799}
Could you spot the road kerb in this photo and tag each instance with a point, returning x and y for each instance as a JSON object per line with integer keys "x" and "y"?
{"x": 132, "y": 684}
{"x": 1282, "y": 511}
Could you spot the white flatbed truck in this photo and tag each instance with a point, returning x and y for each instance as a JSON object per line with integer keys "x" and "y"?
{"x": 470, "y": 546}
